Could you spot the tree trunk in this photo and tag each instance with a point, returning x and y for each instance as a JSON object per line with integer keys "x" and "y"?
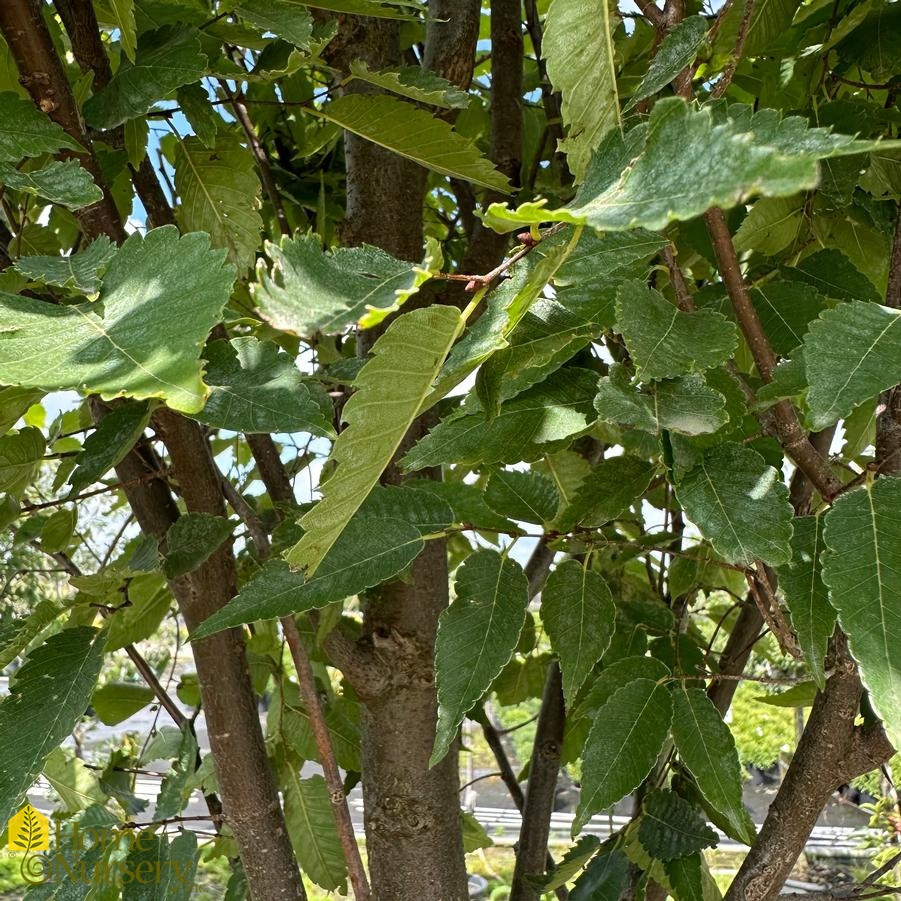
{"x": 412, "y": 813}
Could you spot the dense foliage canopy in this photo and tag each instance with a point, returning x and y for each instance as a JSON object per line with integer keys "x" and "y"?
{"x": 311, "y": 313}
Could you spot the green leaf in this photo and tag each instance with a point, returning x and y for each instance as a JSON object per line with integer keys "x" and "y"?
{"x": 14, "y": 403}
{"x": 578, "y": 612}
{"x": 141, "y": 339}
{"x": 477, "y": 635}
{"x": 390, "y": 390}
{"x": 66, "y": 184}
{"x": 549, "y": 335}
{"x": 789, "y": 381}
{"x": 17, "y": 634}
{"x": 310, "y": 290}
{"x": 123, "y": 21}
{"x": 833, "y": 275}
{"x": 800, "y": 695}
{"x": 628, "y": 733}
{"x": 57, "y": 531}
{"x": 524, "y": 428}
{"x": 608, "y": 491}
{"x": 137, "y": 133}
{"x": 769, "y": 21}
{"x": 707, "y": 748}
{"x": 195, "y": 104}
{"x": 368, "y": 552}
{"x": 672, "y": 827}
{"x": 677, "y": 51}
{"x": 606, "y": 878}
{"x": 174, "y": 789}
{"x": 256, "y": 387}
{"x": 426, "y": 511}
{"x": 686, "y": 875}
{"x": 286, "y": 19}
{"x": 26, "y": 131}
{"x": 686, "y": 405}
{"x": 852, "y": 352}
{"x": 773, "y": 224}
{"x": 863, "y": 571}
{"x": 175, "y": 861}
{"x": 415, "y": 134}
{"x": 580, "y": 63}
{"x": 701, "y": 568}
{"x": 521, "y": 679}
{"x": 165, "y": 60}
{"x": 618, "y": 255}
{"x": 475, "y": 835}
{"x": 108, "y": 444}
{"x": 47, "y": 698}
{"x": 508, "y": 306}
{"x": 192, "y": 539}
{"x": 290, "y": 721}
{"x": 77, "y": 786}
{"x": 80, "y": 271}
{"x": 526, "y": 496}
{"x": 413, "y": 83}
{"x": 786, "y": 310}
{"x": 117, "y": 701}
{"x": 801, "y": 581}
{"x": 311, "y": 826}
{"x": 572, "y": 862}
{"x": 219, "y": 190}
{"x": 740, "y": 504}
{"x": 467, "y": 502}
{"x": 641, "y": 180}
{"x": 150, "y": 602}
{"x": 21, "y": 454}
{"x": 665, "y": 342}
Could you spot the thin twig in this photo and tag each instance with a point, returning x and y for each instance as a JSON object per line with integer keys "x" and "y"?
{"x": 240, "y": 110}
{"x": 494, "y": 775}
{"x": 215, "y": 818}
{"x": 729, "y": 72}
{"x": 30, "y": 508}
{"x": 310, "y": 697}
{"x": 475, "y": 282}
{"x": 683, "y": 296}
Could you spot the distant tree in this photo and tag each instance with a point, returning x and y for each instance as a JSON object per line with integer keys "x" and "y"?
{"x": 269, "y": 244}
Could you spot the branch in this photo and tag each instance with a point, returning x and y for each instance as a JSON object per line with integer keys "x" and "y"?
{"x": 271, "y": 469}
{"x": 486, "y": 246}
{"x": 80, "y": 22}
{"x": 475, "y": 282}
{"x": 310, "y": 697}
{"x": 532, "y": 854}
{"x": 514, "y": 789}
{"x": 42, "y": 75}
{"x": 451, "y": 35}
{"x": 818, "y": 765}
{"x": 888, "y": 423}
{"x": 790, "y": 434}
{"x": 729, "y": 72}
{"x": 550, "y": 100}
{"x": 538, "y": 565}
{"x": 266, "y": 176}
{"x": 651, "y": 12}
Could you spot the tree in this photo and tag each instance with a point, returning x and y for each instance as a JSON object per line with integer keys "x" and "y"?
{"x": 622, "y": 289}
